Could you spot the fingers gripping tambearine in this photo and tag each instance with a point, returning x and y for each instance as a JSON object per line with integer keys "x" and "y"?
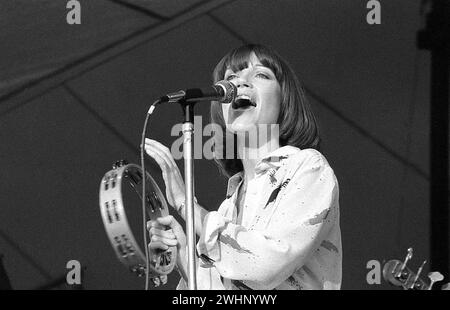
{"x": 113, "y": 204}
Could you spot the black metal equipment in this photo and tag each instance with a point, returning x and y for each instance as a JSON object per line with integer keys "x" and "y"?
{"x": 436, "y": 38}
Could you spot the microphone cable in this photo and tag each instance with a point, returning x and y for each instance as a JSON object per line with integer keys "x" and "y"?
{"x": 144, "y": 177}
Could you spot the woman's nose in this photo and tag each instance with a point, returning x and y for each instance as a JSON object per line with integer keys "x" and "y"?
{"x": 241, "y": 83}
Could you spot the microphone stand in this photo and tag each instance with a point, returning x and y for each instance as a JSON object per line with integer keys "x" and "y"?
{"x": 188, "y": 135}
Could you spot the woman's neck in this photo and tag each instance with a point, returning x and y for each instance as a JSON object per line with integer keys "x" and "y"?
{"x": 253, "y": 146}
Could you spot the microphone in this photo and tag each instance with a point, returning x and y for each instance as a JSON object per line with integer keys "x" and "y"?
{"x": 223, "y": 92}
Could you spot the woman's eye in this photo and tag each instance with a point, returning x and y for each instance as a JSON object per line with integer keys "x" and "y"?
{"x": 263, "y": 75}
{"x": 230, "y": 77}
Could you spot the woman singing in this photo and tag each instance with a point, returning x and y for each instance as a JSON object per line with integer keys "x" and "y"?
{"x": 278, "y": 227}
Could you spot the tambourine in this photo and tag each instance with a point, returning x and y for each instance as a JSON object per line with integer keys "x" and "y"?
{"x": 121, "y": 209}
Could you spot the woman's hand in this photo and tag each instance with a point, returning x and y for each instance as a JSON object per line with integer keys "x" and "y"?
{"x": 166, "y": 232}
{"x": 175, "y": 190}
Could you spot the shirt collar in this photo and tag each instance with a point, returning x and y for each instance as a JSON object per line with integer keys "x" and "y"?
{"x": 271, "y": 160}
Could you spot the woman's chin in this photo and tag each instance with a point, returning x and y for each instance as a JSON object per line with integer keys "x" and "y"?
{"x": 237, "y": 127}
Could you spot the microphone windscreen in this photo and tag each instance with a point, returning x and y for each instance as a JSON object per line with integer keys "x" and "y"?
{"x": 230, "y": 91}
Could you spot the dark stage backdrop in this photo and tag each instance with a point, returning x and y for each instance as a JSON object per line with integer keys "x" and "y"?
{"x": 73, "y": 100}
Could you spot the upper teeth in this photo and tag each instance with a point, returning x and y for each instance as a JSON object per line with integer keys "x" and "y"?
{"x": 244, "y": 97}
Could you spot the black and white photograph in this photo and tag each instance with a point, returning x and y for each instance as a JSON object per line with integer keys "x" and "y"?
{"x": 224, "y": 145}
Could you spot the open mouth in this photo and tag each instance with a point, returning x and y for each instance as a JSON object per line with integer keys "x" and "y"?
{"x": 243, "y": 103}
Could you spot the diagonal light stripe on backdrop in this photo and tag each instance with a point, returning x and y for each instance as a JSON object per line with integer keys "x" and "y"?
{"x": 20, "y": 97}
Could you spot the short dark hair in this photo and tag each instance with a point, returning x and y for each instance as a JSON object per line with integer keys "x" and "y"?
{"x": 297, "y": 124}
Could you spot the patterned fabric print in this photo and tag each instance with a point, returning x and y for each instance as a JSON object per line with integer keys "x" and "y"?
{"x": 275, "y": 192}
{"x": 289, "y": 236}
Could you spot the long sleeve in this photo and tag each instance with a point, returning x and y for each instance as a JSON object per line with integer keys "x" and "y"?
{"x": 297, "y": 222}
